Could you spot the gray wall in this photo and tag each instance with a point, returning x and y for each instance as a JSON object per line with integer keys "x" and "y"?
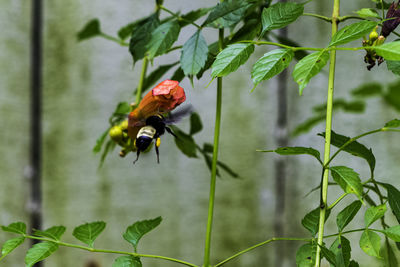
{"x": 82, "y": 84}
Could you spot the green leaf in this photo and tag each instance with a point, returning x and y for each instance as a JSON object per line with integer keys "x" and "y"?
{"x": 393, "y": 199}
{"x": 348, "y": 180}
{"x": 353, "y": 263}
{"x": 195, "y": 123}
{"x": 127, "y": 261}
{"x": 299, "y": 54}
{"x": 389, "y": 51}
{"x": 280, "y": 15}
{"x": 340, "y": 103}
{"x": 374, "y": 213}
{"x": 311, "y": 220}
{"x": 393, "y": 66}
{"x": 88, "y": 232}
{"x": 109, "y": 146}
{"x": 226, "y": 14}
{"x": 393, "y": 233}
{"x": 342, "y": 250}
{"x": 229, "y": 59}
{"x": 393, "y": 124}
{"x": 347, "y": 214}
{"x": 17, "y": 227}
{"x": 54, "y": 232}
{"x": 329, "y": 255}
{"x": 184, "y": 142}
{"x": 271, "y": 64}
{"x": 390, "y": 257}
{"x": 352, "y": 32}
{"x": 141, "y": 36}
{"x": 100, "y": 141}
{"x": 162, "y": 38}
{"x": 250, "y": 30}
{"x": 39, "y": 252}
{"x": 370, "y": 243}
{"x": 354, "y": 148}
{"x": 368, "y": 89}
{"x": 193, "y": 16}
{"x": 392, "y": 97}
{"x": 91, "y": 29}
{"x": 11, "y": 244}
{"x": 368, "y": 13}
{"x": 194, "y": 54}
{"x": 227, "y": 169}
{"x": 135, "y": 232}
{"x": 296, "y": 150}
{"x": 308, "y": 67}
{"x": 305, "y": 255}
{"x": 178, "y": 75}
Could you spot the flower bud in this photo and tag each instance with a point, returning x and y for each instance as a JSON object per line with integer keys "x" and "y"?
{"x": 373, "y": 35}
{"x": 116, "y": 133}
{"x": 124, "y": 125}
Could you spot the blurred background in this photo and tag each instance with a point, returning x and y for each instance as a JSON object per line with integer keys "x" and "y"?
{"x": 84, "y": 81}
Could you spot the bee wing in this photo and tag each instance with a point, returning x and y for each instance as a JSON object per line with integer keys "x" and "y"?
{"x": 179, "y": 114}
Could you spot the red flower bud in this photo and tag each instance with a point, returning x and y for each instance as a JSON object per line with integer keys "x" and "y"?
{"x": 393, "y": 14}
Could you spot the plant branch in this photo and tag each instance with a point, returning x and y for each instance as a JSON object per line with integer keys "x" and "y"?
{"x": 141, "y": 80}
{"x": 214, "y": 162}
{"x": 179, "y": 17}
{"x": 318, "y": 17}
{"x": 60, "y": 243}
{"x": 259, "y": 245}
{"x": 114, "y": 39}
{"x": 328, "y": 129}
{"x": 337, "y": 201}
{"x": 344, "y": 18}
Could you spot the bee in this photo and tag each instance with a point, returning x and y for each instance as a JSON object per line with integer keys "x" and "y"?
{"x": 155, "y": 127}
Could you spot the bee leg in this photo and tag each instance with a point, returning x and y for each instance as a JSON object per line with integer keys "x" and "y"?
{"x": 170, "y": 132}
{"x": 137, "y": 156}
{"x": 158, "y": 153}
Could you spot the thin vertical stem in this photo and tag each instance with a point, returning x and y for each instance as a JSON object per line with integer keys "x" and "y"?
{"x": 141, "y": 80}
{"x": 214, "y": 161}
{"x": 35, "y": 202}
{"x": 328, "y": 129}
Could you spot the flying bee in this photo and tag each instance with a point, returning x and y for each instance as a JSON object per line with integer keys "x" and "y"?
{"x": 155, "y": 126}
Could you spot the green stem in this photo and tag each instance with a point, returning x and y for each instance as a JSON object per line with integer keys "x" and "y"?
{"x": 259, "y": 245}
{"x": 179, "y": 17}
{"x": 337, "y": 201}
{"x": 343, "y": 18}
{"x": 318, "y": 17}
{"x": 352, "y": 231}
{"x": 328, "y": 129}
{"x": 112, "y": 38}
{"x": 214, "y": 161}
{"x": 60, "y": 243}
{"x": 141, "y": 80}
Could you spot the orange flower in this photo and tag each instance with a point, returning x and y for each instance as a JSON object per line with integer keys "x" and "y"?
{"x": 163, "y": 98}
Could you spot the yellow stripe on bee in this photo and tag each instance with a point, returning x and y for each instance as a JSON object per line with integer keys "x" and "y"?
{"x": 158, "y": 142}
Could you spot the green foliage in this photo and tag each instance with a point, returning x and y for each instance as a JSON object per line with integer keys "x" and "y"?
{"x": 348, "y": 180}
{"x": 297, "y": 150}
{"x": 370, "y": 243}
{"x": 88, "y": 232}
{"x": 280, "y": 15}
{"x": 352, "y": 32}
{"x": 342, "y": 250}
{"x": 305, "y": 255}
{"x": 195, "y": 123}
{"x": 311, "y": 220}
{"x": 127, "y": 261}
{"x": 39, "y": 252}
{"x": 17, "y": 227}
{"x": 231, "y": 58}
{"x": 368, "y": 13}
{"x": 373, "y": 214}
{"x": 390, "y": 257}
{"x": 347, "y": 215}
{"x": 227, "y": 13}
{"x": 11, "y": 244}
{"x": 393, "y": 66}
{"x": 193, "y": 16}
{"x": 308, "y": 67}
{"x": 353, "y": 147}
{"x": 185, "y": 142}
{"x": 137, "y": 230}
{"x": 194, "y": 54}
{"x": 271, "y": 64}
{"x": 393, "y": 233}
{"x": 162, "y": 38}
{"x": 54, "y": 232}
{"x": 393, "y": 199}
{"x": 389, "y": 51}
{"x": 392, "y": 97}
{"x": 368, "y": 89}
{"x": 90, "y": 30}
{"x": 141, "y": 36}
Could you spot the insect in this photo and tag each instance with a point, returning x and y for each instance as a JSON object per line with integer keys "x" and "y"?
{"x": 147, "y": 123}
{"x": 155, "y": 127}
